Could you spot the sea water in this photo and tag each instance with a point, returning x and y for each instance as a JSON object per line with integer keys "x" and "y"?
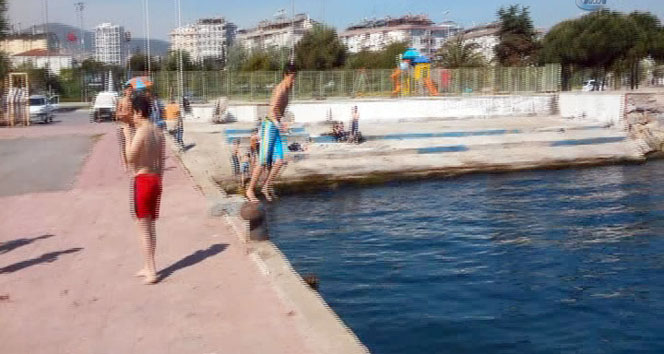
{"x": 566, "y": 261}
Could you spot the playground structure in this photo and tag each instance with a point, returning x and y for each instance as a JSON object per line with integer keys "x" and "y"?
{"x": 16, "y": 104}
{"x": 413, "y": 75}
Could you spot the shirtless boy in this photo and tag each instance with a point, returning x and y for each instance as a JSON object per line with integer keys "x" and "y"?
{"x": 271, "y": 154}
{"x": 145, "y": 158}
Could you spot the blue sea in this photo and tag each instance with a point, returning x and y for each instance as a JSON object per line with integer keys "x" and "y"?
{"x": 565, "y": 261}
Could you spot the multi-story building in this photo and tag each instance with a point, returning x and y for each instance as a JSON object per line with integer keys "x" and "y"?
{"x": 486, "y": 37}
{"x": 418, "y": 31}
{"x": 208, "y": 38}
{"x": 19, "y": 43}
{"x": 42, "y": 59}
{"x": 280, "y": 32}
{"x": 110, "y": 44}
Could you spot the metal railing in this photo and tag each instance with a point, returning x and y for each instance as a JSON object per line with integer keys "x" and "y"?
{"x": 258, "y": 85}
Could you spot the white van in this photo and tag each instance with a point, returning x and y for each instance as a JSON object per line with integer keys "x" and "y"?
{"x": 104, "y": 106}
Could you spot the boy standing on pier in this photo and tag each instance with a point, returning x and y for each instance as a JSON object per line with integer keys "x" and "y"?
{"x": 271, "y": 154}
{"x": 145, "y": 156}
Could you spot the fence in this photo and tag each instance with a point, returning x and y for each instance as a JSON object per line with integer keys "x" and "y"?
{"x": 257, "y": 86}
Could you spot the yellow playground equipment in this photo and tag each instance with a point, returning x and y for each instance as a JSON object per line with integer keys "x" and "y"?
{"x": 416, "y": 69}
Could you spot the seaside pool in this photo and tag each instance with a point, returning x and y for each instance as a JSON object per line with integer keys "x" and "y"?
{"x": 567, "y": 261}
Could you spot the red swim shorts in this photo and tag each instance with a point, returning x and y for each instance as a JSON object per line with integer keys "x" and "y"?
{"x": 147, "y": 193}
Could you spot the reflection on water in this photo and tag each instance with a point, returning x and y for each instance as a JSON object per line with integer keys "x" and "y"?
{"x": 537, "y": 262}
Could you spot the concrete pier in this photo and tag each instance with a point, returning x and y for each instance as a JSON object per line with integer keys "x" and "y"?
{"x": 560, "y": 130}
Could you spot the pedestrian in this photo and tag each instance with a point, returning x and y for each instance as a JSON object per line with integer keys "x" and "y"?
{"x": 245, "y": 168}
{"x": 145, "y": 156}
{"x": 271, "y": 155}
{"x": 235, "y": 157}
{"x": 254, "y": 146}
{"x": 354, "y": 126}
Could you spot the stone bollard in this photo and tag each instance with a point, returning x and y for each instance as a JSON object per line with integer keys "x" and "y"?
{"x": 255, "y": 215}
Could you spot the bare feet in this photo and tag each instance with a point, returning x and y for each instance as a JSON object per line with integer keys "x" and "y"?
{"x": 150, "y": 279}
{"x": 251, "y": 196}
{"x": 267, "y": 194}
{"x": 142, "y": 273}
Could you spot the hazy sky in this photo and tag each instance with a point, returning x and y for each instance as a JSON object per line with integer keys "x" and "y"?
{"x": 339, "y": 13}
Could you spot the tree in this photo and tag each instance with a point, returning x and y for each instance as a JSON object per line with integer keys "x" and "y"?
{"x": 4, "y": 26}
{"x": 320, "y": 49}
{"x": 648, "y": 43}
{"x": 40, "y": 80}
{"x": 518, "y": 43}
{"x": 458, "y": 53}
{"x": 172, "y": 61}
{"x": 602, "y": 40}
{"x": 271, "y": 59}
{"x": 381, "y": 59}
{"x": 236, "y": 57}
{"x": 138, "y": 63}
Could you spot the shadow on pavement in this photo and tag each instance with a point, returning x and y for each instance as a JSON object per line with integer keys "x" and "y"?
{"x": 9, "y": 246}
{"x": 44, "y": 258}
{"x": 192, "y": 259}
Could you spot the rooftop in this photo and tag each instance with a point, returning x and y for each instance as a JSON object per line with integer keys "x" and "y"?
{"x": 40, "y": 53}
{"x": 422, "y": 20}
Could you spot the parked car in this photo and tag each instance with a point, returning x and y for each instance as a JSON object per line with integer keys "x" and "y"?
{"x": 104, "y": 106}
{"x": 41, "y": 108}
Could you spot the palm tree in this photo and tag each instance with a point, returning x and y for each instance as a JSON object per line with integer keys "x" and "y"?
{"x": 457, "y": 53}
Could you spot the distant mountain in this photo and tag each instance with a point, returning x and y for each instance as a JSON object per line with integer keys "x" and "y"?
{"x": 62, "y": 31}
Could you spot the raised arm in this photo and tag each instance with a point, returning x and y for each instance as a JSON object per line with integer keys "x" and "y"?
{"x": 134, "y": 144}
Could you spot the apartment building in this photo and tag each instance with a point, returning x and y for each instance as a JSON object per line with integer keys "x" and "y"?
{"x": 280, "y": 32}
{"x": 110, "y": 44}
{"x": 208, "y": 38}
{"x": 417, "y": 30}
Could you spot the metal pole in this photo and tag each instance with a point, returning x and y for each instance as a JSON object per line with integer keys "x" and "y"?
{"x": 147, "y": 24}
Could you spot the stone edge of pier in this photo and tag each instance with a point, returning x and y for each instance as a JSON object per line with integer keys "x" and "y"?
{"x": 321, "y": 327}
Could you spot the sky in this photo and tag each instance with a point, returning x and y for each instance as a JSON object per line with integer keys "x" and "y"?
{"x": 338, "y": 13}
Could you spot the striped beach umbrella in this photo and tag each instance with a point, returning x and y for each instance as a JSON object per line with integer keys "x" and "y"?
{"x": 140, "y": 83}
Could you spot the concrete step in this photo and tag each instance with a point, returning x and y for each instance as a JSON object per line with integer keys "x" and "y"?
{"x": 468, "y": 143}
{"x": 521, "y": 157}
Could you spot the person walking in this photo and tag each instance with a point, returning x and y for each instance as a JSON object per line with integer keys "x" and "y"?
{"x": 145, "y": 153}
{"x": 271, "y": 154}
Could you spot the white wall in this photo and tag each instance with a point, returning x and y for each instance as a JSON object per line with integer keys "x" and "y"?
{"x": 390, "y": 110}
{"x": 592, "y": 106}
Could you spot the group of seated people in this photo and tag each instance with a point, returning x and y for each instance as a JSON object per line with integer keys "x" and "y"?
{"x": 351, "y": 136}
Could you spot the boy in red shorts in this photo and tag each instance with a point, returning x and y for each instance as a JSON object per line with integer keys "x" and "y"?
{"x": 145, "y": 157}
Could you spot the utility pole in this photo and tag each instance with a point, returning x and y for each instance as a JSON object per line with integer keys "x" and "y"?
{"x": 80, "y": 6}
{"x": 146, "y": 7}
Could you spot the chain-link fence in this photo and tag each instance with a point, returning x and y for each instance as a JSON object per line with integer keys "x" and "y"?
{"x": 258, "y": 85}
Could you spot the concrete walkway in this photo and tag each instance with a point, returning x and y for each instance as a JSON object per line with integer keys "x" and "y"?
{"x": 67, "y": 258}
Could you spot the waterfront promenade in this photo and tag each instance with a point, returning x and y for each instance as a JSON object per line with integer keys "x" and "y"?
{"x": 68, "y": 252}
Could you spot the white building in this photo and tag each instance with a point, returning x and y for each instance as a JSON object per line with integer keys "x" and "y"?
{"x": 486, "y": 37}
{"x": 418, "y": 31}
{"x": 281, "y": 32}
{"x": 42, "y": 58}
{"x": 208, "y": 38}
{"x": 110, "y": 44}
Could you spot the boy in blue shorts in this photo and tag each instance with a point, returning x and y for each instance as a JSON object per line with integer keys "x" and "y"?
{"x": 271, "y": 154}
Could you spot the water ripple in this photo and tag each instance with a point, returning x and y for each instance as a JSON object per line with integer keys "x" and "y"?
{"x": 537, "y": 262}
